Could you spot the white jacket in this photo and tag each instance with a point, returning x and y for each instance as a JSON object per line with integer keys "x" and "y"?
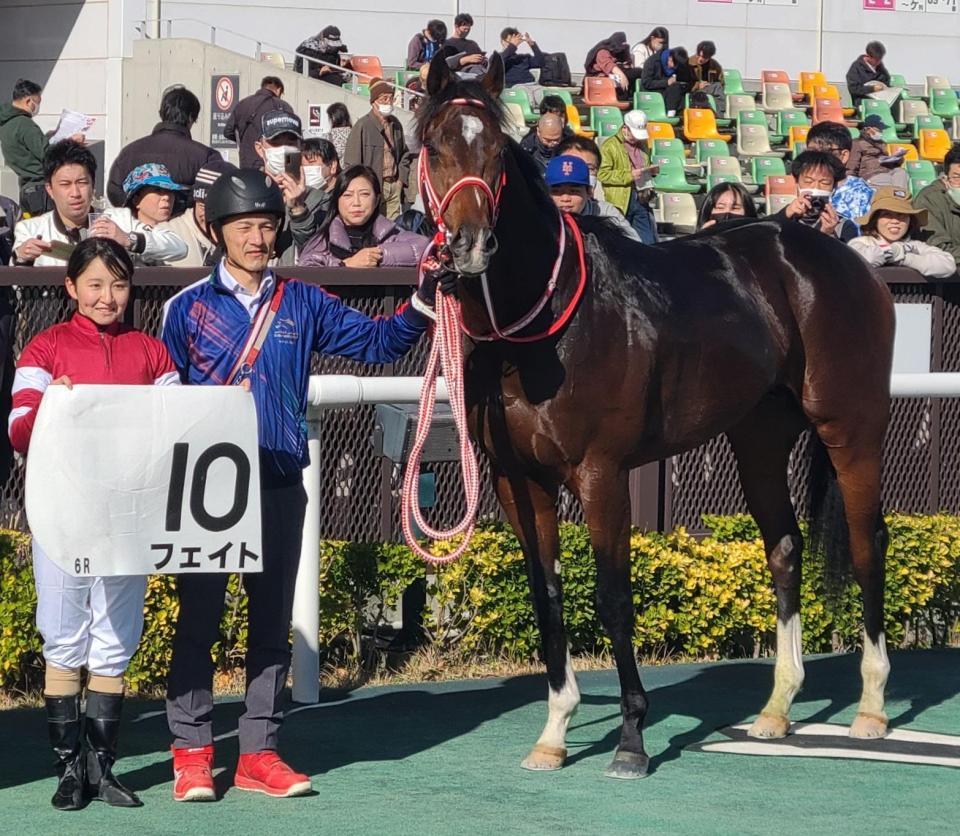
{"x": 924, "y": 258}
{"x": 159, "y": 246}
{"x": 199, "y": 247}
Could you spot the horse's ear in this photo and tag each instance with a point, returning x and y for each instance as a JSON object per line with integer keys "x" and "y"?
{"x": 492, "y": 80}
{"x": 439, "y": 75}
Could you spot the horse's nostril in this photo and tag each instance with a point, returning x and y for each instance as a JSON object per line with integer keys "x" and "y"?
{"x": 490, "y": 242}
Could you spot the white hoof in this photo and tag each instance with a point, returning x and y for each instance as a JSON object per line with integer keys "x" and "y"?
{"x": 544, "y": 758}
{"x": 770, "y": 727}
{"x": 868, "y": 727}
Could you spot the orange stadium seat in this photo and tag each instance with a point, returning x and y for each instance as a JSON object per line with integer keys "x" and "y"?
{"x": 911, "y": 150}
{"x": 934, "y": 144}
{"x": 798, "y": 133}
{"x": 774, "y": 77}
{"x": 600, "y": 90}
{"x": 810, "y": 80}
{"x": 827, "y": 110}
{"x": 573, "y": 120}
{"x": 701, "y": 124}
{"x": 368, "y": 66}
{"x": 781, "y": 191}
{"x": 660, "y": 130}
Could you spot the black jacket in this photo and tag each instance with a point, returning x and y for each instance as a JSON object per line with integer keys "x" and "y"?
{"x": 540, "y": 155}
{"x": 859, "y": 74}
{"x": 654, "y": 77}
{"x": 170, "y": 145}
{"x": 243, "y": 126}
{"x": 517, "y": 65}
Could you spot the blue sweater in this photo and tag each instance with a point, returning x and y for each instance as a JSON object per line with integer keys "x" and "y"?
{"x": 205, "y": 328}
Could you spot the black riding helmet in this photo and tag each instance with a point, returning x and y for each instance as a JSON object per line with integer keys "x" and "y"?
{"x": 243, "y": 192}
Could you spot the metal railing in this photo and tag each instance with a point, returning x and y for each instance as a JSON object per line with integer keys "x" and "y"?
{"x": 354, "y": 74}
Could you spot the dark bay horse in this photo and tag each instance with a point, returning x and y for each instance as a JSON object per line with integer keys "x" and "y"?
{"x": 758, "y": 331}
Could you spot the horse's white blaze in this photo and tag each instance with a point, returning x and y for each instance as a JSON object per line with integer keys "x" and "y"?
{"x": 471, "y": 127}
{"x": 788, "y": 673}
{"x": 561, "y": 705}
{"x": 874, "y": 668}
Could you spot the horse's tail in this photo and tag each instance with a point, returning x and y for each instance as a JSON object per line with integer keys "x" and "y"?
{"x": 828, "y": 537}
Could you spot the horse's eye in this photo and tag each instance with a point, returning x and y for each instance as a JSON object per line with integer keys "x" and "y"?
{"x": 431, "y": 150}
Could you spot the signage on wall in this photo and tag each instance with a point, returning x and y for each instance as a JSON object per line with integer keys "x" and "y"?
{"x": 932, "y": 6}
{"x": 224, "y": 93}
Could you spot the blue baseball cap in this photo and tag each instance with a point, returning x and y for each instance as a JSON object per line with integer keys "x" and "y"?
{"x": 150, "y": 174}
{"x": 567, "y": 170}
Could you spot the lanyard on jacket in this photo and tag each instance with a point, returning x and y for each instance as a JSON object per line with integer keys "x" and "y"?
{"x": 258, "y": 334}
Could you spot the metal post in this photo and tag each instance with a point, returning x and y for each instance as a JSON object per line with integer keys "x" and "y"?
{"x": 169, "y": 27}
{"x": 306, "y": 608}
{"x": 213, "y": 35}
{"x": 259, "y": 51}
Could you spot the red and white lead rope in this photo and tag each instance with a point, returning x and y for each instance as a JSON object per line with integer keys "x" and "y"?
{"x": 446, "y": 353}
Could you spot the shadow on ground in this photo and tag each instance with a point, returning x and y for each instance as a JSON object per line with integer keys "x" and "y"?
{"x": 386, "y": 724}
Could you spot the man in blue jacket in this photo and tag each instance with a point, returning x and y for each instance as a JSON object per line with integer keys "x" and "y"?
{"x": 210, "y": 329}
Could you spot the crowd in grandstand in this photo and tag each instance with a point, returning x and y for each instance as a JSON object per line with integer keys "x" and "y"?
{"x": 646, "y": 147}
{"x": 349, "y": 199}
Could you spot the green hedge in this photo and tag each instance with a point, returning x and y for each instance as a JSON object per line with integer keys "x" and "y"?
{"x": 697, "y": 597}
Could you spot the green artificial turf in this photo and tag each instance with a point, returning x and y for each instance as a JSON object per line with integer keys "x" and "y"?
{"x": 444, "y": 758}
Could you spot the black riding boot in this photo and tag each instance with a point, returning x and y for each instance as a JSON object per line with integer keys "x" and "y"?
{"x": 63, "y": 723}
{"x": 103, "y": 730}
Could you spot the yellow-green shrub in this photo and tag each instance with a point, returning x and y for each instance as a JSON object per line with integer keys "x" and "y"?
{"x": 701, "y": 597}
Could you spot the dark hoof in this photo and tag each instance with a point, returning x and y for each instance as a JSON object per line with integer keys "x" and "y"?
{"x": 628, "y": 766}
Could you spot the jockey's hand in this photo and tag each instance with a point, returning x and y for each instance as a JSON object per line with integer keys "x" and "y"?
{"x": 446, "y": 280}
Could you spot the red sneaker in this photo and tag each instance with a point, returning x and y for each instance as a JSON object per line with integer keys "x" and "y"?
{"x": 193, "y": 774}
{"x": 265, "y": 772}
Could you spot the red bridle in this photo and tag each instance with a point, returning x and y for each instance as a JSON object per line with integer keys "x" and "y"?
{"x": 438, "y": 251}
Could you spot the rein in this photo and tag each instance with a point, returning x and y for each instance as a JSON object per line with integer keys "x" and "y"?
{"x": 446, "y": 353}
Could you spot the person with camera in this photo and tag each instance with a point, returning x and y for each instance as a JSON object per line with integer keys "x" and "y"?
{"x": 817, "y": 174}
{"x": 516, "y": 64}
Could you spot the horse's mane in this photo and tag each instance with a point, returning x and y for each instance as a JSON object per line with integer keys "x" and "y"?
{"x": 431, "y": 106}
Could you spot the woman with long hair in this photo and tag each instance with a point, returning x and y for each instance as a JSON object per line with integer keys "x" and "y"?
{"x": 354, "y": 234}
{"x": 658, "y": 39}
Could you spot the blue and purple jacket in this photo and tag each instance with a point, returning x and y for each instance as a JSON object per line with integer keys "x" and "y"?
{"x": 205, "y": 328}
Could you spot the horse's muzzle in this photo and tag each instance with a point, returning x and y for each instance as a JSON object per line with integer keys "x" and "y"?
{"x": 472, "y": 248}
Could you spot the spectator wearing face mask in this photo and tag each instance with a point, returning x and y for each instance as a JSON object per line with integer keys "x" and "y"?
{"x": 243, "y": 126}
{"x": 470, "y": 56}
{"x": 888, "y": 236}
{"x": 568, "y": 179}
{"x": 320, "y": 169}
{"x": 870, "y": 161}
{"x": 726, "y": 202}
{"x": 326, "y": 47}
{"x": 817, "y": 174}
{"x": 377, "y": 141}
{"x": 664, "y": 73}
{"x": 941, "y": 199}
{"x": 424, "y": 45}
{"x": 627, "y": 176}
{"x": 588, "y": 151}
{"x": 24, "y": 145}
{"x": 191, "y": 226}
{"x": 541, "y": 142}
{"x": 659, "y": 38}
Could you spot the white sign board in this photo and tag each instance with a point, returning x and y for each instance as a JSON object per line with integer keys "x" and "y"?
{"x": 911, "y": 347}
{"x": 138, "y": 480}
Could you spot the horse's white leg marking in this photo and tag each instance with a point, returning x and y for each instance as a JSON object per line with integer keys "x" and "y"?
{"x": 787, "y": 679}
{"x": 871, "y": 721}
{"x": 471, "y": 127}
{"x": 550, "y": 749}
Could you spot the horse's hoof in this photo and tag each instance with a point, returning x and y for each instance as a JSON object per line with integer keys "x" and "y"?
{"x": 868, "y": 726}
{"x": 628, "y": 766}
{"x": 544, "y": 758}
{"x": 770, "y": 727}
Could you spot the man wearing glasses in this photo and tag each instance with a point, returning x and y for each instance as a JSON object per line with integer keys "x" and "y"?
{"x": 941, "y": 199}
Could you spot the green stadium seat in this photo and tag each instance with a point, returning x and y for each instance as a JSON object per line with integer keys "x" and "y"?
{"x": 944, "y": 103}
{"x": 362, "y": 89}
{"x": 763, "y": 167}
{"x": 669, "y": 148}
{"x": 920, "y": 170}
{"x": 651, "y": 103}
{"x": 520, "y": 97}
{"x": 604, "y": 113}
{"x": 562, "y": 92}
{"x": 733, "y": 82}
{"x": 873, "y": 107}
{"x": 725, "y": 177}
{"x": 607, "y": 127}
{"x": 704, "y": 149}
{"x": 926, "y": 122}
{"x": 897, "y": 80}
{"x": 918, "y": 184}
{"x": 671, "y": 177}
{"x": 401, "y": 77}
